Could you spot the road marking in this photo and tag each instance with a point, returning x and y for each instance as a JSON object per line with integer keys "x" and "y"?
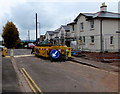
{"x": 28, "y": 82}
{"x": 92, "y": 67}
{"x": 7, "y": 56}
{"x": 23, "y": 55}
{"x": 32, "y": 81}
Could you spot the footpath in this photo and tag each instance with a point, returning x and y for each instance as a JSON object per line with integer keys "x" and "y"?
{"x": 96, "y": 64}
{"x": 10, "y": 83}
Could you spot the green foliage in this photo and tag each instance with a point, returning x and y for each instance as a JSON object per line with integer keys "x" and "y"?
{"x": 10, "y": 35}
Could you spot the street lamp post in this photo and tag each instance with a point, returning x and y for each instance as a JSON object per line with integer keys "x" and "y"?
{"x": 36, "y": 27}
{"x": 39, "y": 27}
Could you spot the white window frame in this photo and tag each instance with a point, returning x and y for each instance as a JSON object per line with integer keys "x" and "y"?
{"x": 92, "y": 25}
{"x": 83, "y": 39}
{"x": 81, "y": 26}
{"x": 73, "y": 27}
{"x": 111, "y": 39}
{"x": 92, "y": 39}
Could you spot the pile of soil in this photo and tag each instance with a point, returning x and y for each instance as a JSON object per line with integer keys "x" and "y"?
{"x": 112, "y": 58}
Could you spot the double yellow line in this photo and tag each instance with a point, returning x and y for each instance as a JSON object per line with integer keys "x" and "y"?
{"x": 31, "y": 82}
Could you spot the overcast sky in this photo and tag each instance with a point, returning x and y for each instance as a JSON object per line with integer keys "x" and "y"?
{"x": 51, "y": 13}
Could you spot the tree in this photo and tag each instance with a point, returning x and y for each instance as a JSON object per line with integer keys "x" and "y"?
{"x": 10, "y": 35}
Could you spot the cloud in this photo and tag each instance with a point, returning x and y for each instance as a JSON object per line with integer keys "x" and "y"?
{"x": 23, "y": 16}
{"x": 73, "y": 0}
{"x": 50, "y": 14}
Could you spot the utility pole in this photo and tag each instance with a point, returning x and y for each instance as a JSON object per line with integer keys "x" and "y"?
{"x": 39, "y": 27}
{"x": 36, "y": 27}
{"x": 28, "y": 35}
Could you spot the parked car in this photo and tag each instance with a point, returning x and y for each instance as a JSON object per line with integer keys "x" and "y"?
{"x": 30, "y": 45}
{"x": 25, "y": 46}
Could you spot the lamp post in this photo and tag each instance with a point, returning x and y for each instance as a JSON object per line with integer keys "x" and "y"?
{"x": 36, "y": 27}
{"x": 39, "y": 27}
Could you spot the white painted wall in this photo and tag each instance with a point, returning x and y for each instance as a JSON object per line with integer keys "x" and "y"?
{"x": 110, "y": 26}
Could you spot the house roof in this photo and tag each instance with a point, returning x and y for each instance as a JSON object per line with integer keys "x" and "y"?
{"x": 42, "y": 35}
{"x": 107, "y": 15}
{"x": 99, "y": 14}
{"x": 50, "y": 32}
{"x": 57, "y": 30}
{"x": 71, "y": 23}
{"x": 65, "y": 27}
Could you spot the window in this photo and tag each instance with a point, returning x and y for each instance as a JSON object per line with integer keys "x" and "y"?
{"x": 111, "y": 39}
{"x": 92, "y": 24}
{"x": 92, "y": 39}
{"x": 84, "y": 39}
{"x": 81, "y": 26}
{"x": 80, "y": 38}
{"x": 62, "y": 33}
{"x": 73, "y": 27}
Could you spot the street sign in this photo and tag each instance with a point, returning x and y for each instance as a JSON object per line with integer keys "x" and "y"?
{"x": 55, "y": 54}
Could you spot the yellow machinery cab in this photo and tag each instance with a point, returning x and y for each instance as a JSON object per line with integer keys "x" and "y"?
{"x": 4, "y": 52}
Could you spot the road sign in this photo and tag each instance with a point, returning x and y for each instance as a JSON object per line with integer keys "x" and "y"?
{"x": 55, "y": 54}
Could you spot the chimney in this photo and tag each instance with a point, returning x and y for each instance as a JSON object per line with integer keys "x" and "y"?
{"x": 103, "y": 8}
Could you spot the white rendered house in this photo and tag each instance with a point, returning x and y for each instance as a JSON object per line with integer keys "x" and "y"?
{"x": 96, "y": 32}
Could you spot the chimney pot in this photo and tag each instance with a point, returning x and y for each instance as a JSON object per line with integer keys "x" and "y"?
{"x": 103, "y": 8}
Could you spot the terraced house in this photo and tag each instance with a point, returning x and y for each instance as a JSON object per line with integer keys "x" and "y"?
{"x": 97, "y": 32}
{"x": 60, "y": 36}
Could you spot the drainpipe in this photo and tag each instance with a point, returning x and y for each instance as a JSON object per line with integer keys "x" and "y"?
{"x": 118, "y": 40}
{"x": 101, "y": 36}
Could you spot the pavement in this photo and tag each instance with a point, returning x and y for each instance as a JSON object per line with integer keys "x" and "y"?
{"x": 96, "y": 64}
{"x": 10, "y": 83}
{"x": 9, "y": 77}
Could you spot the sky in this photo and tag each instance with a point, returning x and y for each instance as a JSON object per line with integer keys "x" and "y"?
{"x": 51, "y": 13}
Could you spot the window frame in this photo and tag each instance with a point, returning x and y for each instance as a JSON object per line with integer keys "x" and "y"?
{"x": 111, "y": 40}
{"x": 73, "y": 27}
{"x": 81, "y": 26}
{"x": 84, "y": 39}
{"x": 92, "y": 39}
{"x": 92, "y": 24}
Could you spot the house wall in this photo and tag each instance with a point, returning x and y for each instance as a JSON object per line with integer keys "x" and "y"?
{"x": 72, "y": 32}
{"x": 47, "y": 36}
{"x": 75, "y": 30}
{"x": 62, "y": 32}
{"x": 53, "y": 36}
{"x": 109, "y": 28}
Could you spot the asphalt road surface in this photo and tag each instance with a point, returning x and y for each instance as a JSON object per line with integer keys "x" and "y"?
{"x": 66, "y": 76}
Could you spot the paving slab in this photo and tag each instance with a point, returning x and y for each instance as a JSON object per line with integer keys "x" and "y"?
{"x": 10, "y": 82}
{"x": 101, "y": 65}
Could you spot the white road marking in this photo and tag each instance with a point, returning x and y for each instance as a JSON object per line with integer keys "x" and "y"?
{"x": 23, "y": 55}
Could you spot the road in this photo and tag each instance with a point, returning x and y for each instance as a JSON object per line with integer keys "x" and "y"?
{"x": 66, "y": 76}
